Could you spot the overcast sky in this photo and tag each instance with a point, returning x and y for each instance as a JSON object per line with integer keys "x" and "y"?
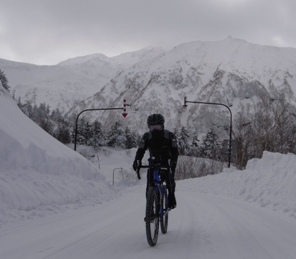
{"x": 49, "y": 31}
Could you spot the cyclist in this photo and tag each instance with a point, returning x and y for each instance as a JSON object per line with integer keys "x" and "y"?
{"x": 162, "y": 145}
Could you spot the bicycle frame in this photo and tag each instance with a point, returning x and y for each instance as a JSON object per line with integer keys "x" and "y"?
{"x": 159, "y": 199}
{"x": 158, "y": 183}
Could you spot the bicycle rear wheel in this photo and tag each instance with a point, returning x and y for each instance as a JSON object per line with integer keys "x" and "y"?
{"x": 164, "y": 218}
{"x": 152, "y": 216}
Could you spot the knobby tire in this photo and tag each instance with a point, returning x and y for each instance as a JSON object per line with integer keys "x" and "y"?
{"x": 165, "y": 217}
{"x": 152, "y": 216}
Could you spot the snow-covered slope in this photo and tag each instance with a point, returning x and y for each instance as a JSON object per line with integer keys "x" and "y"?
{"x": 268, "y": 182}
{"x": 37, "y": 171}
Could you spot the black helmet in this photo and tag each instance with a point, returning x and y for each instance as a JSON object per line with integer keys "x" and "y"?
{"x": 155, "y": 119}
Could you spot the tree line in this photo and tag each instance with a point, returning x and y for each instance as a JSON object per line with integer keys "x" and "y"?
{"x": 88, "y": 133}
{"x": 267, "y": 125}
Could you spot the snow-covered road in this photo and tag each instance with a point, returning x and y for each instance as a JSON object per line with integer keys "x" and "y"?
{"x": 203, "y": 226}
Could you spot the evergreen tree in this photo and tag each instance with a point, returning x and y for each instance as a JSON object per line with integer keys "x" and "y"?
{"x": 116, "y": 137}
{"x": 3, "y": 80}
{"x": 195, "y": 141}
{"x": 62, "y": 133}
{"x": 72, "y": 126}
{"x": 184, "y": 147}
{"x": 176, "y": 132}
{"x": 131, "y": 138}
{"x": 88, "y": 133}
{"x": 81, "y": 131}
{"x": 98, "y": 137}
{"x": 209, "y": 146}
{"x": 52, "y": 122}
{"x": 56, "y": 115}
{"x": 41, "y": 116}
{"x": 195, "y": 146}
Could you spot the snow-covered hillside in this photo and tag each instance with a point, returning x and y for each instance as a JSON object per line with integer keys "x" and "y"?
{"x": 37, "y": 171}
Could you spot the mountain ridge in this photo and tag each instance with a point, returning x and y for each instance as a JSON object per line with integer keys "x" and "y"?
{"x": 228, "y": 71}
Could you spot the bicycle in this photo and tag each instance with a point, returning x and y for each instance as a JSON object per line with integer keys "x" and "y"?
{"x": 157, "y": 210}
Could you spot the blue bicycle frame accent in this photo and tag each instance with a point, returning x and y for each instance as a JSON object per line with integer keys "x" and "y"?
{"x": 156, "y": 176}
{"x": 160, "y": 188}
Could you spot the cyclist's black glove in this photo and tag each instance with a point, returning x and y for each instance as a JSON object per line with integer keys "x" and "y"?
{"x": 136, "y": 164}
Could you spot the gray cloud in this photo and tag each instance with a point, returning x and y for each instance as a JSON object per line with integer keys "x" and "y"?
{"x": 49, "y": 31}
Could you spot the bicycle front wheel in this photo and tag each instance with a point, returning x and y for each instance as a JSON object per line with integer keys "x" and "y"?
{"x": 152, "y": 216}
{"x": 164, "y": 217}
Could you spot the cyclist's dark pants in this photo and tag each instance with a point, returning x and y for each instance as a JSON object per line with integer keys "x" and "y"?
{"x": 169, "y": 179}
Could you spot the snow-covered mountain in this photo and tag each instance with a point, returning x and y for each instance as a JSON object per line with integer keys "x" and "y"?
{"x": 230, "y": 71}
{"x": 69, "y": 82}
{"x": 55, "y": 85}
{"x": 99, "y": 67}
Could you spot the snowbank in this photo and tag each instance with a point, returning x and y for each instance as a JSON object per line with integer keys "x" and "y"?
{"x": 38, "y": 174}
{"x": 269, "y": 182}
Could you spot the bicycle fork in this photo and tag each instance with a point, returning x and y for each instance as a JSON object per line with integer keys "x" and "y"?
{"x": 162, "y": 211}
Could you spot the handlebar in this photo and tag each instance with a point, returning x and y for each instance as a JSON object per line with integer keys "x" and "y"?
{"x": 146, "y": 166}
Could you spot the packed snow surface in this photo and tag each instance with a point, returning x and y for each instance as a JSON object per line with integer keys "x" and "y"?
{"x": 54, "y": 203}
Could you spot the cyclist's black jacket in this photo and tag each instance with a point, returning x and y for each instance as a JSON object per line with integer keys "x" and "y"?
{"x": 161, "y": 144}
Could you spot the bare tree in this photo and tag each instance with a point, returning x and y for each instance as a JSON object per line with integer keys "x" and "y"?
{"x": 243, "y": 133}
{"x": 191, "y": 167}
{"x": 283, "y": 125}
{"x": 271, "y": 126}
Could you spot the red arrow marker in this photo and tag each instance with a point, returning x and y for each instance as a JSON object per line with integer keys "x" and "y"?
{"x": 124, "y": 114}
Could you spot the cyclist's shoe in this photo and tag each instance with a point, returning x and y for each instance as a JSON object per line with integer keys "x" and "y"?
{"x": 172, "y": 201}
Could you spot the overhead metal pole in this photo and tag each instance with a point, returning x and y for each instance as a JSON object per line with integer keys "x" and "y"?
{"x": 230, "y": 124}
